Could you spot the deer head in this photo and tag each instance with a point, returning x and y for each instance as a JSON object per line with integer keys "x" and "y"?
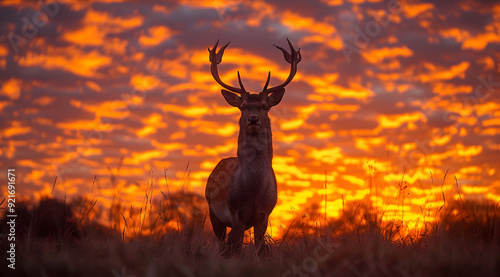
{"x": 254, "y": 107}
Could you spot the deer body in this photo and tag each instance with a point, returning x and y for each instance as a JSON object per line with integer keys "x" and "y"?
{"x": 241, "y": 191}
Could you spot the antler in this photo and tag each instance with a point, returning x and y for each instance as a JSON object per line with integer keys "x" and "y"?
{"x": 293, "y": 59}
{"x": 215, "y": 59}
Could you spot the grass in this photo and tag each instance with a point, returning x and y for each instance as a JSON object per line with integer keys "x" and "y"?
{"x": 168, "y": 238}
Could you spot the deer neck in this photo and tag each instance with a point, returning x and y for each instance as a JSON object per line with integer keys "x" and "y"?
{"x": 255, "y": 151}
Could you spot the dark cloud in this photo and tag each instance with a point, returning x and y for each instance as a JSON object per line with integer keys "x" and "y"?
{"x": 353, "y": 124}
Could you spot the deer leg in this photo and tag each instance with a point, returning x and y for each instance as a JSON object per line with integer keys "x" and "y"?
{"x": 218, "y": 226}
{"x": 235, "y": 237}
{"x": 259, "y": 230}
{"x": 219, "y": 231}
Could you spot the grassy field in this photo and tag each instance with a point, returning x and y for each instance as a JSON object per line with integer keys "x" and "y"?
{"x": 55, "y": 238}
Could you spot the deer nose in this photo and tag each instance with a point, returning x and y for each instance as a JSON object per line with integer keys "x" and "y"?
{"x": 253, "y": 119}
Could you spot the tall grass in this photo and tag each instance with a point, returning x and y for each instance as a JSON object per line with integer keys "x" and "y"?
{"x": 169, "y": 237}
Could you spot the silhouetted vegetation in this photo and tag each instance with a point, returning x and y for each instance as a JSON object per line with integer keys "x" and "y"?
{"x": 49, "y": 219}
{"x": 169, "y": 238}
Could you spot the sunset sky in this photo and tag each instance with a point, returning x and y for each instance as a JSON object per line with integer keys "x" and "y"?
{"x": 384, "y": 88}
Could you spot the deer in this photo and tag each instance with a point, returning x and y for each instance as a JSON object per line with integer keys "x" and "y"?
{"x": 241, "y": 191}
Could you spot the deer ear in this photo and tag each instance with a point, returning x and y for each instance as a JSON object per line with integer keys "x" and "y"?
{"x": 275, "y": 97}
{"x": 231, "y": 98}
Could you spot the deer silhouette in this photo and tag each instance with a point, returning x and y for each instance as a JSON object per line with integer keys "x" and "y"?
{"x": 241, "y": 191}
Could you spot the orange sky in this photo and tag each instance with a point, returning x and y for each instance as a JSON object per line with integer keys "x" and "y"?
{"x": 383, "y": 86}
